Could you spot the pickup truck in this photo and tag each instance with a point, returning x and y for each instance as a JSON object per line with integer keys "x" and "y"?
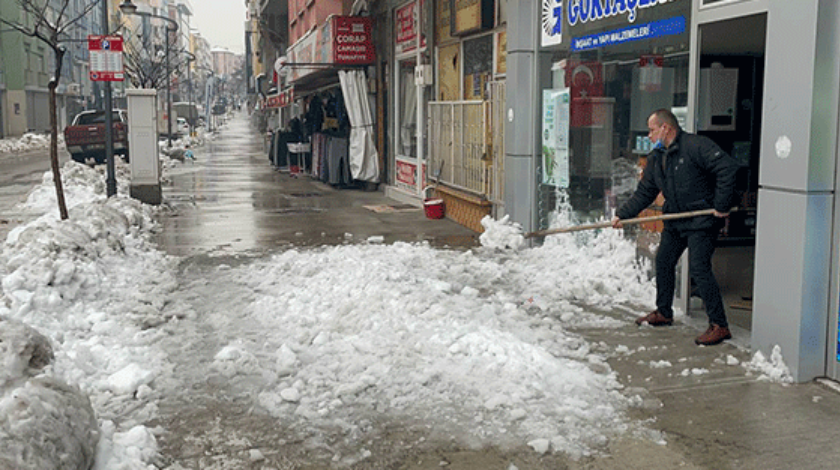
{"x": 85, "y": 137}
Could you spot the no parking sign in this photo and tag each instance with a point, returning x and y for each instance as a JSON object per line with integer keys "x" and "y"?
{"x": 106, "y": 64}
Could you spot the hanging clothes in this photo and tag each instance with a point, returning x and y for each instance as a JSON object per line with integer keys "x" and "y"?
{"x": 314, "y": 118}
{"x": 279, "y": 153}
{"x": 338, "y": 164}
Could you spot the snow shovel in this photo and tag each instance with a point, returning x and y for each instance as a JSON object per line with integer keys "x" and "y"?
{"x": 637, "y": 220}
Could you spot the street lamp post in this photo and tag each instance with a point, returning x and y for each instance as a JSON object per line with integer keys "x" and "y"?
{"x": 107, "y": 108}
{"x": 129, "y": 8}
{"x": 208, "y": 85}
{"x": 190, "y": 60}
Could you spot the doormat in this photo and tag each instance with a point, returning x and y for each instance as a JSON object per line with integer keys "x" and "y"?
{"x": 745, "y": 304}
{"x": 388, "y": 208}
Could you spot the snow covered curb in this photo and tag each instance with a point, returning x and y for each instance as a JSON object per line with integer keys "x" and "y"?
{"x": 94, "y": 284}
{"x": 28, "y": 142}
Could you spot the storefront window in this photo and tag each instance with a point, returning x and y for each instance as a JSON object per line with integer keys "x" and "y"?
{"x": 408, "y": 110}
{"x": 608, "y": 74}
{"x": 478, "y": 66}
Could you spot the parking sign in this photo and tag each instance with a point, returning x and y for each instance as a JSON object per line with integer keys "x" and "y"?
{"x": 106, "y": 62}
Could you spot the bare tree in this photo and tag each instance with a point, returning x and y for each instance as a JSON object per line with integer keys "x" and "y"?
{"x": 145, "y": 61}
{"x": 49, "y": 22}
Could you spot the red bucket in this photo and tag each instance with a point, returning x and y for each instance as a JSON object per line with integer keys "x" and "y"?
{"x": 434, "y": 208}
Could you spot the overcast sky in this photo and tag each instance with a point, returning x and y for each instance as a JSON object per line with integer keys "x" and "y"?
{"x": 222, "y": 22}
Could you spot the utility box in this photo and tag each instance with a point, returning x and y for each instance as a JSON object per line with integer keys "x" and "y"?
{"x": 142, "y": 146}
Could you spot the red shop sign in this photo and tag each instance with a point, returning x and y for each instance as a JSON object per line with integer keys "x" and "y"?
{"x": 406, "y": 22}
{"x": 280, "y": 100}
{"x": 352, "y": 40}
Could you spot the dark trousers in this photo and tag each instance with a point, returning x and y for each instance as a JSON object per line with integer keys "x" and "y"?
{"x": 701, "y": 246}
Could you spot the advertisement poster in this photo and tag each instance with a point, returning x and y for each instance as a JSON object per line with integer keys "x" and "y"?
{"x": 406, "y": 23}
{"x": 406, "y": 174}
{"x": 555, "y": 141}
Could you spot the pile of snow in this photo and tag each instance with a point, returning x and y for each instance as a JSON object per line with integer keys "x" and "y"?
{"x": 774, "y": 370}
{"x": 480, "y": 346}
{"x": 81, "y": 183}
{"x": 501, "y": 233}
{"x": 599, "y": 269}
{"x": 44, "y": 423}
{"x": 180, "y": 145}
{"x": 93, "y": 285}
{"x": 27, "y": 142}
{"x": 476, "y": 345}
{"x": 23, "y": 352}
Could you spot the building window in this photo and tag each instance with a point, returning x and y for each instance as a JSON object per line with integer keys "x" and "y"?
{"x": 594, "y": 112}
{"x": 478, "y": 66}
{"x": 407, "y": 132}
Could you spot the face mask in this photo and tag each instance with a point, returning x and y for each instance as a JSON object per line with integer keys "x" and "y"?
{"x": 659, "y": 144}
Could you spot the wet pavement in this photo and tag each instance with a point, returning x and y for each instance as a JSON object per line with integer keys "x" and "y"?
{"x": 232, "y": 200}
{"x": 231, "y": 206}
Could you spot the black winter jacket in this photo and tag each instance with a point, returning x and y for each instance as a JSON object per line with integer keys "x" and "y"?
{"x": 693, "y": 174}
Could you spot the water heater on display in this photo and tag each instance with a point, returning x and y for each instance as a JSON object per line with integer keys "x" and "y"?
{"x": 718, "y": 100}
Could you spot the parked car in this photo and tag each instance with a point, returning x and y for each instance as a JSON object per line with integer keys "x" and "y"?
{"x": 183, "y": 127}
{"x": 188, "y": 111}
{"x": 85, "y": 136}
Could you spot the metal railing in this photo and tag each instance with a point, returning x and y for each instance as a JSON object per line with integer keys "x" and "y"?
{"x": 467, "y": 145}
{"x": 458, "y": 144}
{"x": 498, "y": 96}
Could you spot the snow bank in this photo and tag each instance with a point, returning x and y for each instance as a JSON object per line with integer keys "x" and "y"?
{"x": 27, "y": 142}
{"x": 476, "y": 343}
{"x": 453, "y": 339}
{"x": 773, "y": 370}
{"x": 82, "y": 185}
{"x": 24, "y": 352}
{"x": 93, "y": 285}
{"x": 599, "y": 269}
{"x": 501, "y": 234}
{"x": 45, "y": 423}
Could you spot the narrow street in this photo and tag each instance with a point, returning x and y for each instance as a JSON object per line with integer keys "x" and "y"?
{"x": 232, "y": 201}
{"x": 263, "y": 321}
{"x": 500, "y": 235}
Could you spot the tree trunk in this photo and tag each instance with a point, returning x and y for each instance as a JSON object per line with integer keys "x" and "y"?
{"x": 59, "y": 188}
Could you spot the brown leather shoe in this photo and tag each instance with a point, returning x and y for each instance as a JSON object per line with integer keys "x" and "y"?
{"x": 655, "y": 318}
{"x": 714, "y": 335}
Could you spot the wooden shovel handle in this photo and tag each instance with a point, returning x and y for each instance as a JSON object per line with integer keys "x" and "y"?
{"x": 637, "y": 220}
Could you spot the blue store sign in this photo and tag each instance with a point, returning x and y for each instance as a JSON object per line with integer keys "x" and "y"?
{"x": 594, "y": 10}
{"x": 588, "y": 12}
{"x": 655, "y": 29}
